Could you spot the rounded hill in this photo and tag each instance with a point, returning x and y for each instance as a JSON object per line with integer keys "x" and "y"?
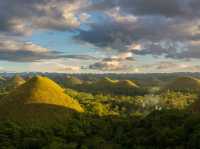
{"x": 71, "y": 81}
{"x": 41, "y": 90}
{"x": 38, "y": 96}
{"x": 127, "y": 84}
{"x": 15, "y": 82}
{"x": 184, "y": 84}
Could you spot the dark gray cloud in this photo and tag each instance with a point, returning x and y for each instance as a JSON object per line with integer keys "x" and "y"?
{"x": 156, "y": 22}
{"x": 21, "y": 17}
{"x": 26, "y": 56}
{"x": 118, "y": 35}
{"x": 169, "y": 27}
{"x": 169, "y": 8}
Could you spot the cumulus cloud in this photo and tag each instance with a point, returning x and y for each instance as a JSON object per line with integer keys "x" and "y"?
{"x": 18, "y": 51}
{"x": 21, "y": 16}
{"x": 167, "y": 28}
{"x": 169, "y": 8}
{"x": 160, "y": 27}
{"x": 114, "y": 63}
{"x": 12, "y": 50}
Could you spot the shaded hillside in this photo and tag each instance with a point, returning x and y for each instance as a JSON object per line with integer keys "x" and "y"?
{"x": 71, "y": 81}
{"x": 2, "y": 78}
{"x": 39, "y": 96}
{"x": 109, "y": 86}
{"x": 184, "y": 84}
{"x": 2, "y": 82}
{"x": 15, "y": 82}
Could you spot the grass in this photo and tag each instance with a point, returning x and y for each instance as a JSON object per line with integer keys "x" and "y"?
{"x": 39, "y": 91}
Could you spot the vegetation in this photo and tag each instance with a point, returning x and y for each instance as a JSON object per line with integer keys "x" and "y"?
{"x": 15, "y": 82}
{"x": 184, "y": 84}
{"x": 100, "y": 114}
{"x": 36, "y": 97}
{"x": 114, "y": 87}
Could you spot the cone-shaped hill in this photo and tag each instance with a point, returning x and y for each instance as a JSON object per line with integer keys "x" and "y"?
{"x": 184, "y": 84}
{"x": 71, "y": 81}
{"x": 127, "y": 84}
{"x": 105, "y": 82}
{"x": 38, "y": 96}
{"x": 2, "y": 78}
{"x": 118, "y": 87}
{"x": 15, "y": 82}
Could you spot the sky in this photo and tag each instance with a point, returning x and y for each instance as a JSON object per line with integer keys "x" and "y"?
{"x": 100, "y": 36}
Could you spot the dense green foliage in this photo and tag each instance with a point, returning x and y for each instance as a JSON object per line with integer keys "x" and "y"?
{"x": 131, "y": 105}
{"x": 117, "y": 115}
{"x": 162, "y": 129}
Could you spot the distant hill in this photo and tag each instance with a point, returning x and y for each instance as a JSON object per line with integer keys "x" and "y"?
{"x": 127, "y": 84}
{"x": 184, "y": 84}
{"x": 109, "y": 86}
{"x": 2, "y": 81}
{"x": 15, "y": 82}
{"x": 104, "y": 83}
{"x": 71, "y": 81}
{"x": 106, "y": 80}
{"x": 38, "y": 96}
{"x": 2, "y": 78}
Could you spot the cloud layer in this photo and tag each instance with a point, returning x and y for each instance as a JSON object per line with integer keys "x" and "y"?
{"x": 169, "y": 29}
{"x": 161, "y": 27}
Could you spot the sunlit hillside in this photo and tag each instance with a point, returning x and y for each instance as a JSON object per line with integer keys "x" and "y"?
{"x": 38, "y": 96}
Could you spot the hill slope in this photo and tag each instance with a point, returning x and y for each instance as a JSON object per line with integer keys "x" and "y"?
{"x": 116, "y": 87}
{"x": 41, "y": 90}
{"x": 38, "y": 96}
{"x": 184, "y": 84}
{"x": 72, "y": 81}
{"x": 15, "y": 82}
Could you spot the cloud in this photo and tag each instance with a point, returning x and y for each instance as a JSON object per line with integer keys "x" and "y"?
{"x": 80, "y": 57}
{"x": 22, "y": 17}
{"x": 12, "y": 50}
{"x": 169, "y": 8}
{"x": 124, "y": 56}
{"x": 114, "y": 63}
{"x": 170, "y": 66}
{"x": 18, "y": 51}
{"x": 169, "y": 28}
{"x": 53, "y": 66}
{"x": 161, "y": 28}
{"x": 107, "y": 65}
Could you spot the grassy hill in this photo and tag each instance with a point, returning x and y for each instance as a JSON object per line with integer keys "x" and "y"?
{"x": 15, "y": 82}
{"x": 2, "y": 78}
{"x": 109, "y": 86}
{"x": 71, "y": 81}
{"x": 38, "y": 97}
{"x": 127, "y": 84}
{"x": 2, "y": 81}
{"x": 184, "y": 84}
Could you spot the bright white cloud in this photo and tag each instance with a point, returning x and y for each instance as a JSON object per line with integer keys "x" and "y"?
{"x": 12, "y": 45}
